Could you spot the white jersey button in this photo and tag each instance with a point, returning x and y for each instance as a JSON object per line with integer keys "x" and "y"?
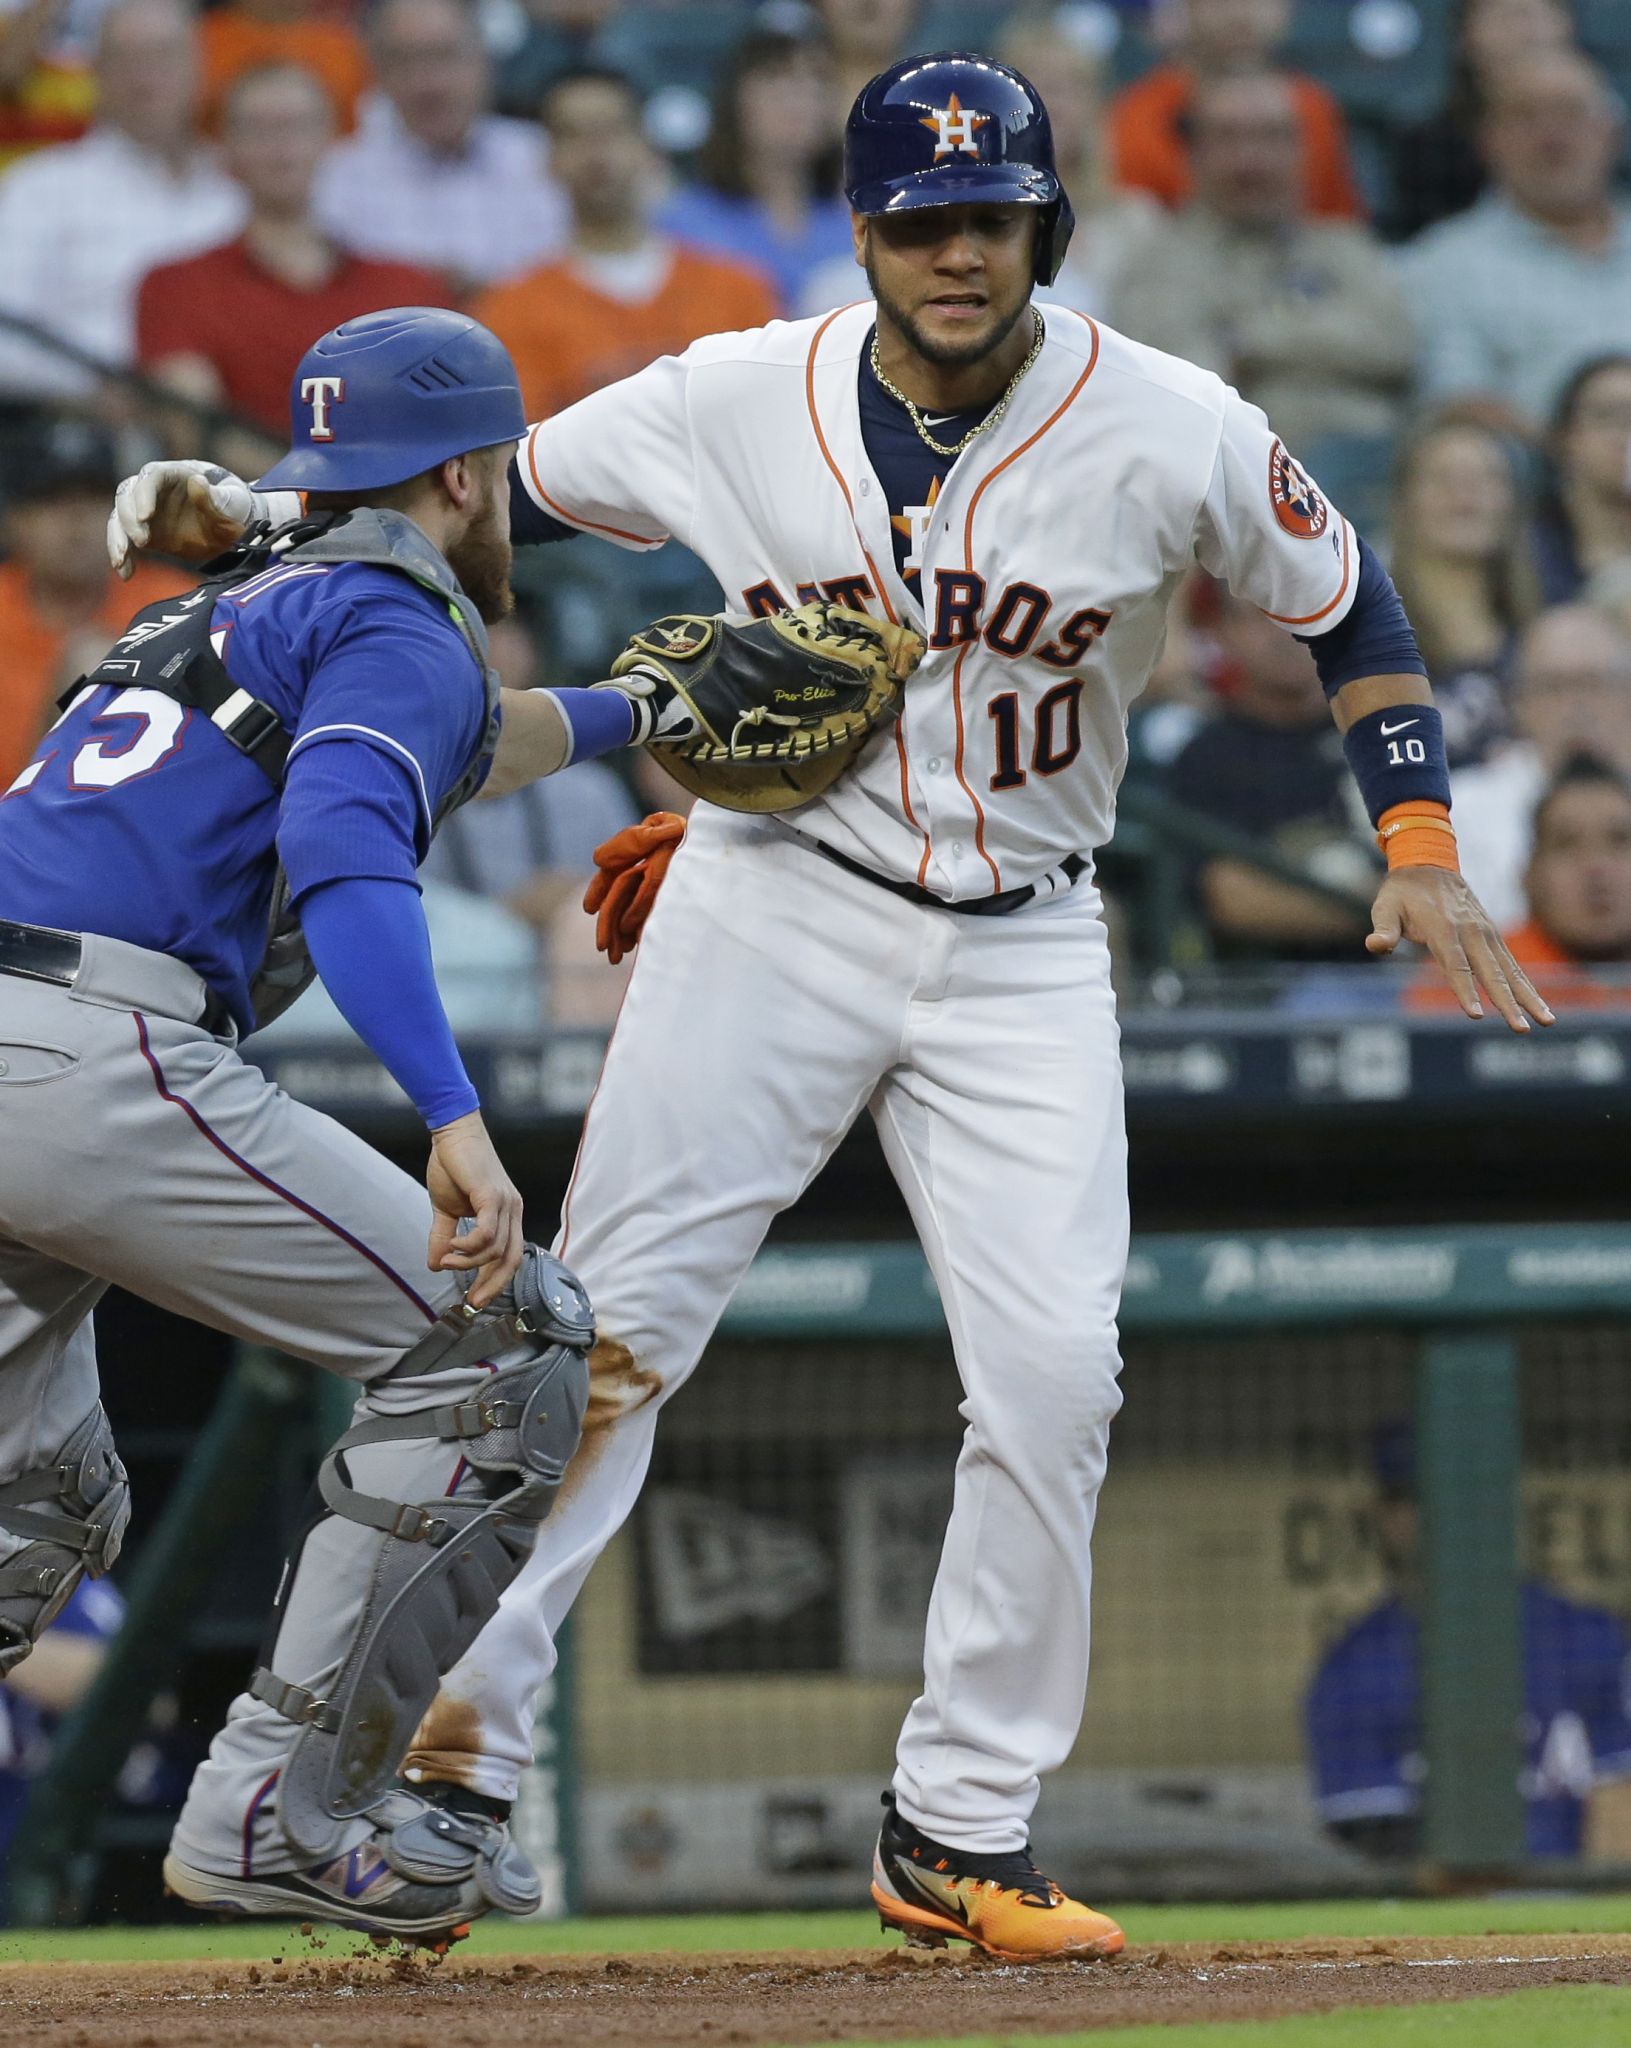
{"x": 934, "y": 764}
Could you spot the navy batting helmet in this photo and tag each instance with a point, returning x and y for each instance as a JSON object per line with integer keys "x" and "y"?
{"x": 954, "y": 129}
{"x": 379, "y": 399}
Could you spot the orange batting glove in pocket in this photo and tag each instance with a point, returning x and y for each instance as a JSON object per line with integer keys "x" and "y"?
{"x": 629, "y": 870}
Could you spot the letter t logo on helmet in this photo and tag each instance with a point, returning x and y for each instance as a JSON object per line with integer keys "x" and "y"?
{"x": 957, "y": 129}
{"x": 319, "y": 392}
{"x": 419, "y": 384}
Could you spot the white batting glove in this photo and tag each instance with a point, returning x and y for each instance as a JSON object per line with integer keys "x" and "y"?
{"x": 188, "y": 508}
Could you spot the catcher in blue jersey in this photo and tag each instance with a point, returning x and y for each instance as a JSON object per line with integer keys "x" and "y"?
{"x": 236, "y": 798}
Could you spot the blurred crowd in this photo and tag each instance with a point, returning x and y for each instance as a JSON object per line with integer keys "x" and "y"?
{"x": 1396, "y": 225}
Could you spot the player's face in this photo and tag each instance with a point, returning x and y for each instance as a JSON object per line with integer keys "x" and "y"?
{"x": 481, "y": 556}
{"x": 953, "y": 279}
{"x": 1580, "y": 873}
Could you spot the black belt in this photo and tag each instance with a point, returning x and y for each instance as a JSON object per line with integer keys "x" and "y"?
{"x": 35, "y": 952}
{"x": 1072, "y": 867}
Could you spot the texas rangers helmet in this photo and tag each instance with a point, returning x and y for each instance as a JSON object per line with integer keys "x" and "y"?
{"x": 382, "y": 398}
{"x": 953, "y": 129}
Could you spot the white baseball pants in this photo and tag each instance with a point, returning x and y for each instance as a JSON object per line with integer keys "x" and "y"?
{"x": 774, "y": 995}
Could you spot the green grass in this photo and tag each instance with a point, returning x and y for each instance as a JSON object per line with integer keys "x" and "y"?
{"x": 1433, "y": 1919}
{"x": 1577, "y": 2016}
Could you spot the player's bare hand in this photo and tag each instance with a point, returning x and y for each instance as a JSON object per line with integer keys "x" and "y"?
{"x": 467, "y": 1183}
{"x": 1435, "y": 908}
{"x": 186, "y": 508}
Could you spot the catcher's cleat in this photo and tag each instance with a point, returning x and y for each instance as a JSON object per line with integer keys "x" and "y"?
{"x": 358, "y": 1889}
{"x": 1002, "y": 1904}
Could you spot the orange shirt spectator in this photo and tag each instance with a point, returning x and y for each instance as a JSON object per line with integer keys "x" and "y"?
{"x": 38, "y": 635}
{"x": 232, "y": 40}
{"x": 570, "y": 333}
{"x": 623, "y": 294}
{"x": 1149, "y": 144}
{"x": 1575, "y": 945}
{"x": 61, "y": 606}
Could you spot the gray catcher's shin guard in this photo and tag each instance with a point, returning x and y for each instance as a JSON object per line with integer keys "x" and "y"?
{"x": 442, "y": 1566}
{"x": 75, "y": 1509}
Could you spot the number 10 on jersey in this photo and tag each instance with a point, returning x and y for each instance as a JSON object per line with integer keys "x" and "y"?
{"x": 1056, "y": 733}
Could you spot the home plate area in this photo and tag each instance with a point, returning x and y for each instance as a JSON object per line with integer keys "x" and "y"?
{"x": 324, "y": 2000}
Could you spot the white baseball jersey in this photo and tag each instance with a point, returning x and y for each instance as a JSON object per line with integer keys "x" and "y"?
{"x": 984, "y": 1048}
{"x": 1047, "y": 565}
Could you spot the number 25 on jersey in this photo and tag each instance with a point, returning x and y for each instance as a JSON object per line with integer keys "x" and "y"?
{"x": 135, "y": 733}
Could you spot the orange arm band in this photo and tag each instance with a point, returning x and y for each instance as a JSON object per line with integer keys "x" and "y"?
{"x": 1418, "y": 835}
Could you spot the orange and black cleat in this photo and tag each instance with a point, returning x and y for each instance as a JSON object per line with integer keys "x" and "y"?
{"x": 1002, "y": 1904}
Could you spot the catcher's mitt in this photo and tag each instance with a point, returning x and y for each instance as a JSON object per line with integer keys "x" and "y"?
{"x": 779, "y": 706}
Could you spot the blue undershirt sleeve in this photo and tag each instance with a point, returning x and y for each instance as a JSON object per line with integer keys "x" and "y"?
{"x": 597, "y": 722}
{"x": 349, "y": 810}
{"x": 1374, "y": 639}
{"x": 530, "y": 525}
{"x": 370, "y": 945}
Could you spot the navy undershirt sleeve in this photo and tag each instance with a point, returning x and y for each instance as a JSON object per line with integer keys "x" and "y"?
{"x": 1374, "y": 639}
{"x": 530, "y": 526}
{"x": 370, "y": 945}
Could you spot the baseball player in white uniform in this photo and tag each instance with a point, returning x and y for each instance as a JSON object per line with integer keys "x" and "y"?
{"x": 924, "y": 941}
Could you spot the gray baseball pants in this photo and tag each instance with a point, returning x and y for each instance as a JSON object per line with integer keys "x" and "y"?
{"x": 138, "y": 1150}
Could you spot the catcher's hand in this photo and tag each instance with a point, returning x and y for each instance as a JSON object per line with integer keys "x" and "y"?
{"x": 190, "y": 509}
{"x": 720, "y": 700}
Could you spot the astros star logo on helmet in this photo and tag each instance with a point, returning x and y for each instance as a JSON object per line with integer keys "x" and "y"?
{"x": 955, "y": 128}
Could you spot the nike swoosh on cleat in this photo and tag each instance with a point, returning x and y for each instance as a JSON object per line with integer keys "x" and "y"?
{"x": 1404, "y": 725}
{"x": 952, "y": 1907}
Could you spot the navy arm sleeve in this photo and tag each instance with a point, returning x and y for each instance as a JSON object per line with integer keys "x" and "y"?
{"x": 1374, "y": 639}
{"x": 530, "y": 525}
{"x": 370, "y": 946}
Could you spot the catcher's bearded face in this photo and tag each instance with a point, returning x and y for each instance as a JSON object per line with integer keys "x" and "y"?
{"x": 481, "y": 557}
{"x": 953, "y": 280}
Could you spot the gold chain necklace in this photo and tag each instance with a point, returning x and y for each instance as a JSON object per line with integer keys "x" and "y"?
{"x": 956, "y": 448}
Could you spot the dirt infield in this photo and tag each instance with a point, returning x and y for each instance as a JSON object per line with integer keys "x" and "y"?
{"x": 319, "y": 2000}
